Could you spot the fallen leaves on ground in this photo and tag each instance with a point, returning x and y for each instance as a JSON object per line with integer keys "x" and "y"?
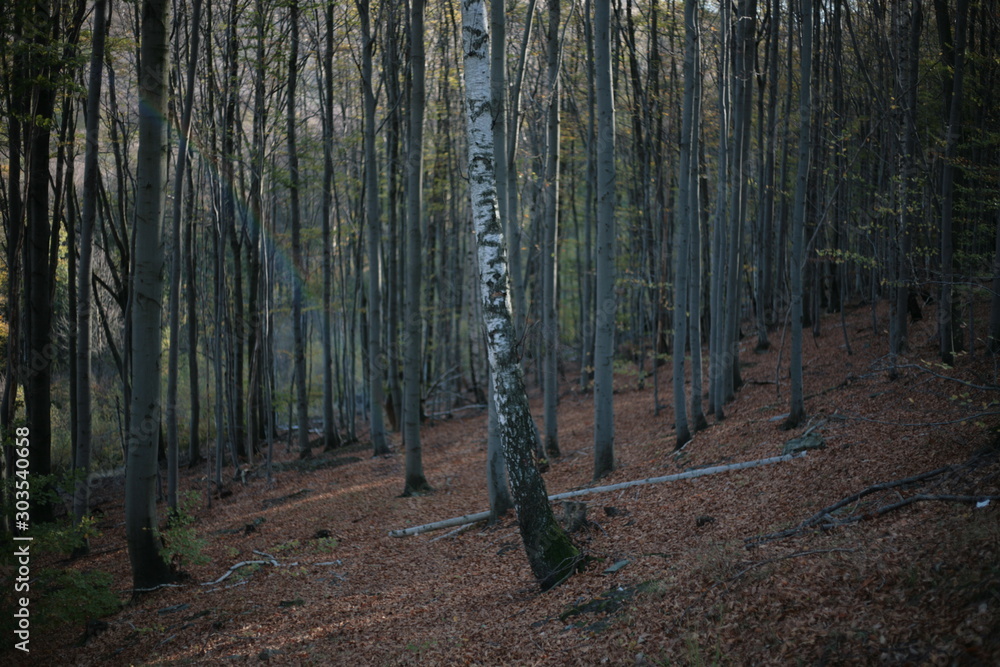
{"x": 670, "y": 581}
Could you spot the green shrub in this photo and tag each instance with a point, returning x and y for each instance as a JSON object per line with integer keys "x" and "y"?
{"x": 181, "y": 544}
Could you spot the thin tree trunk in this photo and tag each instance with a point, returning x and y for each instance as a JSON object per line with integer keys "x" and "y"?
{"x": 173, "y": 356}
{"x": 692, "y": 208}
{"x": 496, "y": 467}
{"x": 682, "y": 225}
{"x": 41, "y": 353}
{"x": 331, "y": 436}
{"x": 415, "y": 482}
{"x": 84, "y": 422}
{"x": 513, "y": 223}
{"x": 298, "y": 264}
{"x": 797, "y": 411}
{"x": 148, "y": 568}
{"x": 604, "y": 341}
{"x": 994, "y": 333}
{"x": 550, "y": 248}
{"x": 953, "y": 132}
{"x": 373, "y": 225}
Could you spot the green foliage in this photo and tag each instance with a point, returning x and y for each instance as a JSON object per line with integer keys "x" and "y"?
{"x": 326, "y": 544}
{"x": 64, "y": 537}
{"x": 61, "y": 599}
{"x": 74, "y": 596}
{"x": 181, "y": 543}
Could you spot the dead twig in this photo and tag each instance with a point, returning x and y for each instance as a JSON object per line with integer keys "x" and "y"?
{"x": 818, "y": 516}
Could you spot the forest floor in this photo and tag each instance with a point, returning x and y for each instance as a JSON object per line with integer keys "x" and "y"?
{"x": 674, "y": 577}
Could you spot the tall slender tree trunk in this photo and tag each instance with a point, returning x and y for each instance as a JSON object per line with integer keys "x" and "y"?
{"x": 550, "y": 248}
{"x": 298, "y": 264}
{"x": 993, "y": 345}
{"x": 513, "y": 223}
{"x": 84, "y": 421}
{"x": 588, "y": 309}
{"x": 148, "y": 568}
{"x": 682, "y": 226}
{"x": 194, "y": 423}
{"x": 41, "y": 353}
{"x": 953, "y": 132}
{"x": 604, "y": 341}
{"x": 719, "y": 368}
{"x": 551, "y": 554}
{"x": 906, "y": 23}
{"x": 331, "y": 436}
{"x": 697, "y": 420}
{"x": 173, "y": 356}
{"x": 768, "y": 193}
{"x": 496, "y": 467}
{"x": 797, "y": 409}
{"x": 742, "y": 111}
{"x": 373, "y": 226}
{"x": 415, "y": 482}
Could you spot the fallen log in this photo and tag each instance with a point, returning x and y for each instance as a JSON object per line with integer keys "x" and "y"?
{"x": 690, "y": 474}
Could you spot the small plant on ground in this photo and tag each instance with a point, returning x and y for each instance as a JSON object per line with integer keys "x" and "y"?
{"x": 181, "y": 544}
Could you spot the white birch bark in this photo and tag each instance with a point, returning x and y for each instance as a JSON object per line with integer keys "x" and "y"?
{"x": 550, "y": 553}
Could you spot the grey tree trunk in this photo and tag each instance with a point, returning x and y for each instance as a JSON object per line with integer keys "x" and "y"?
{"x": 173, "y": 353}
{"x": 742, "y": 111}
{"x": 604, "y": 339}
{"x": 373, "y": 226}
{"x": 331, "y": 436}
{"x": 148, "y": 568}
{"x": 683, "y": 221}
{"x": 298, "y": 273}
{"x": 513, "y": 223}
{"x": 496, "y": 467}
{"x": 692, "y": 208}
{"x": 766, "y": 223}
{"x": 906, "y": 24}
{"x": 550, "y": 248}
{"x": 551, "y": 554}
{"x": 415, "y": 482}
{"x": 84, "y": 421}
{"x": 194, "y": 423}
{"x": 797, "y": 409}
{"x": 953, "y": 131}
{"x": 994, "y": 330}
{"x": 38, "y": 284}
{"x": 718, "y": 366}
{"x": 588, "y": 310}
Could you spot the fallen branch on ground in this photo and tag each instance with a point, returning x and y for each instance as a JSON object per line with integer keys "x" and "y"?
{"x": 690, "y": 474}
{"x": 817, "y": 520}
{"x": 818, "y": 516}
{"x": 232, "y": 569}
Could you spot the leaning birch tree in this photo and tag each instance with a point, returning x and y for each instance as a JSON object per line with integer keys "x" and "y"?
{"x": 551, "y": 553}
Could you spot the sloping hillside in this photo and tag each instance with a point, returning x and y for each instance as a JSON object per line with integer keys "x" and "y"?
{"x": 671, "y": 578}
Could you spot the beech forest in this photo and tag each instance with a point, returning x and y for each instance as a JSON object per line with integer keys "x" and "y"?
{"x": 573, "y": 332}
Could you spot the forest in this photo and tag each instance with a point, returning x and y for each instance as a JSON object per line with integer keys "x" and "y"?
{"x": 289, "y": 286}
